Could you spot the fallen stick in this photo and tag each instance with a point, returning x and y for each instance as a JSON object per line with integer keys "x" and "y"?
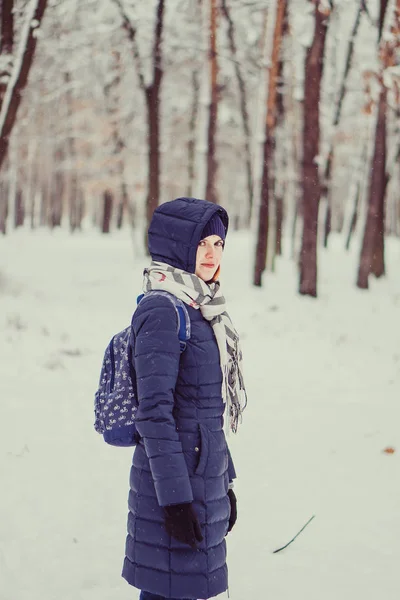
{"x": 297, "y": 535}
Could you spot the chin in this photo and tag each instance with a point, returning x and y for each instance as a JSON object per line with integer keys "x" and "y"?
{"x": 206, "y": 276}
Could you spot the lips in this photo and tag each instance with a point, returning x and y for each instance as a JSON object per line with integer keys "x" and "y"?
{"x": 208, "y": 265}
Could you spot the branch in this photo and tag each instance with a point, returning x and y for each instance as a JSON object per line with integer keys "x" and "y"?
{"x": 131, "y": 32}
{"x": 365, "y": 9}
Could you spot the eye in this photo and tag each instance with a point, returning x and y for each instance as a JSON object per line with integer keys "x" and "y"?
{"x": 220, "y": 243}
{"x": 202, "y": 243}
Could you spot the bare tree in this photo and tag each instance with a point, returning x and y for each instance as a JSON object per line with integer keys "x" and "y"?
{"x": 211, "y": 192}
{"x": 279, "y": 171}
{"x": 311, "y": 133}
{"x": 192, "y": 131}
{"x": 243, "y": 102}
{"x": 3, "y": 207}
{"x": 383, "y": 5}
{"x": 337, "y": 116}
{"x": 360, "y": 171}
{"x": 152, "y": 93}
{"x": 6, "y": 45}
{"x": 22, "y": 66}
{"x": 263, "y": 218}
{"x": 19, "y": 209}
{"x": 107, "y": 211}
{"x": 57, "y": 191}
{"x": 112, "y": 96}
{"x": 372, "y": 258}
{"x": 74, "y": 196}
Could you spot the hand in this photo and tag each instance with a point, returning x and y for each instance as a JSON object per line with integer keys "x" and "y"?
{"x": 233, "y": 516}
{"x": 182, "y": 524}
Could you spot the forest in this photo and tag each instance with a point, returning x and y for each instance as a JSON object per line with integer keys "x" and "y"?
{"x": 286, "y": 112}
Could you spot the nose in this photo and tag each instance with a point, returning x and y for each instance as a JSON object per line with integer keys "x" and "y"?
{"x": 210, "y": 251}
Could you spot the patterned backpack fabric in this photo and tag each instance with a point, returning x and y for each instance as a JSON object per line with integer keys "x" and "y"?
{"x": 116, "y": 403}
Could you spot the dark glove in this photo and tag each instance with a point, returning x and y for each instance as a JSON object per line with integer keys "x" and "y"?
{"x": 182, "y": 524}
{"x": 233, "y": 517}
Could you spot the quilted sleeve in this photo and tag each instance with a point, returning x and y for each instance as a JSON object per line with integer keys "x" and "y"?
{"x": 156, "y": 361}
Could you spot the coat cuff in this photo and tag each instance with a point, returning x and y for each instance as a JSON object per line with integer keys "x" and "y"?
{"x": 174, "y": 491}
{"x": 231, "y": 468}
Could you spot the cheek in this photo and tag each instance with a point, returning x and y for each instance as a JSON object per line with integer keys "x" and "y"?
{"x": 199, "y": 255}
{"x": 219, "y": 254}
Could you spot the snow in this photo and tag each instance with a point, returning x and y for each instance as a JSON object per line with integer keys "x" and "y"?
{"x": 323, "y": 379}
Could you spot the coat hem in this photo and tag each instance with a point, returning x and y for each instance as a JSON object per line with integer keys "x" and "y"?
{"x": 129, "y": 573}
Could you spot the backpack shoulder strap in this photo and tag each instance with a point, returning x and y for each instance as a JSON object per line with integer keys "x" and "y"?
{"x": 184, "y": 330}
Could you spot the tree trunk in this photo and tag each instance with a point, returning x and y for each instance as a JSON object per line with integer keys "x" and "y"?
{"x": 383, "y": 4}
{"x": 279, "y": 225}
{"x": 389, "y": 55}
{"x": 30, "y": 176}
{"x": 398, "y": 216}
{"x": 33, "y": 186}
{"x": 73, "y": 187}
{"x": 372, "y": 258}
{"x": 73, "y": 203}
{"x": 311, "y": 184}
{"x": 3, "y": 207}
{"x": 243, "y": 105}
{"x": 107, "y": 211}
{"x": 354, "y": 217}
{"x": 112, "y": 95}
{"x": 19, "y": 211}
{"x": 18, "y": 81}
{"x": 328, "y": 221}
{"x": 211, "y": 192}
{"x": 57, "y": 201}
{"x": 124, "y": 202}
{"x": 120, "y": 210}
{"x": 6, "y": 45}
{"x": 153, "y": 103}
{"x": 80, "y": 208}
{"x": 153, "y": 181}
{"x": 57, "y": 192}
{"x": 192, "y": 133}
{"x": 263, "y": 219}
{"x": 44, "y": 209}
{"x": 279, "y": 182}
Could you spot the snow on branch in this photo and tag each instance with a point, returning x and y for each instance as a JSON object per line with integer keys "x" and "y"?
{"x": 19, "y": 77}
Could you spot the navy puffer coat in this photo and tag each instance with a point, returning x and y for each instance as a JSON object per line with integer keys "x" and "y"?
{"x": 182, "y": 455}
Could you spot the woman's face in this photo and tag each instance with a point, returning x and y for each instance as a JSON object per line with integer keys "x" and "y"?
{"x": 208, "y": 258}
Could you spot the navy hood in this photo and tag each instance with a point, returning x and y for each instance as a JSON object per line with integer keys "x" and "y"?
{"x": 176, "y": 228}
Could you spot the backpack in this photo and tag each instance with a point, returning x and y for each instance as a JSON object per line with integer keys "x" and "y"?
{"x": 116, "y": 402}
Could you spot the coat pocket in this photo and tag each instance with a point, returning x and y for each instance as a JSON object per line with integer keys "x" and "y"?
{"x": 204, "y": 443}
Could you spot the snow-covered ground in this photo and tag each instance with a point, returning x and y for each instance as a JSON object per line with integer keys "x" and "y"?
{"x": 323, "y": 380}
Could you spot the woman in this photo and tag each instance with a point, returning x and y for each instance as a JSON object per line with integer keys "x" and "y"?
{"x": 181, "y": 502}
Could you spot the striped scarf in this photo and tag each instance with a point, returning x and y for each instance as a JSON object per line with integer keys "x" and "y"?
{"x": 208, "y": 298}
